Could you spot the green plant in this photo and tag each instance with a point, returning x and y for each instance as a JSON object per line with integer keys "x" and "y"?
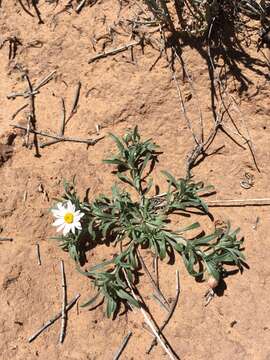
{"x": 142, "y": 220}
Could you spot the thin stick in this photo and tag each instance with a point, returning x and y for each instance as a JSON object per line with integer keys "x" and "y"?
{"x": 114, "y": 51}
{"x": 52, "y": 320}
{"x": 80, "y": 6}
{"x": 161, "y": 303}
{"x": 18, "y": 111}
{"x": 64, "y": 304}
{"x": 172, "y": 308}
{"x": 40, "y": 21}
{"x": 122, "y": 346}
{"x": 26, "y": 93}
{"x": 62, "y": 128}
{"x": 6, "y": 239}
{"x": 155, "y": 265}
{"x": 38, "y": 254}
{"x": 25, "y": 9}
{"x": 150, "y": 323}
{"x": 75, "y": 102}
{"x": 59, "y": 138}
{"x": 32, "y": 115}
{"x": 239, "y": 202}
{"x": 180, "y": 96}
{"x": 63, "y": 124}
{"x": 44, "y": 81}
{"x": 160, "y": 295}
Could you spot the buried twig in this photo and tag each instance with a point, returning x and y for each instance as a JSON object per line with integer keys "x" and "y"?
{"x": 122, "y": 346}
{"x": 52, "y": 320}
{"x": 6, "y": 239}
{"x": 172, "y": 308}
{"x": 114, "y": 51}
{"x": 38, "y": 254}
{"x": 64, "y": 302}
{"x": 160, "y": 297}
{"x": 58, "y": 137}
{"x": 151, "y": 325}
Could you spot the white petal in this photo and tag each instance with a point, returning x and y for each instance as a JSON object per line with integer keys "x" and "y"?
{"x": 70, "y": 207}
{"x": 57, "y": 213}
{"x": 60, "y": 206}
{"x": 77, "y": 225}
{"x": 58, "y": 222}
{"x": 73, "y": 228}
{"x": 78, "y": 213}
{"x": 61, "y": 227}
{"x": 77, "y": 218}
{"x": 66, "y": 230}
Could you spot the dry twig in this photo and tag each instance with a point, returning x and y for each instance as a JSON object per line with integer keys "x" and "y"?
{"x": 239, "y": 202}
{"x": 59, "y": 138}
{"x": 80, "y": 6}
{"x": 52, "y": 320}
{"x": 25, "y": 9}
{"x": 156, "y": 332}
{"x": 75, "y": 102}
{"x": 32, "y": 116}
{"x": 122, "y": 346}
{"x": 38, "y": 254}
{"x": 64, "y": 302}
{"x": 40, "y": 21}
{"x": 114, "y": 51}
{"x": 6, "y": 239}
{"x": 172, "y": 308}
{"x": 35, "y": 88}
{"x": 18, "y": 111}
{"x": 160, "y": 296}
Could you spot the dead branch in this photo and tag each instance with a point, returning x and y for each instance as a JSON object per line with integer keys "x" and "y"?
{"x": 239, "y": 202}
{"x": 38, "y": 254}
{"x": 35, "y": 89}
{"x": 122, "y": 346}
{"x": 75, "y": 102}
{"x": 40, "y": 21}
{"x": 64, "y": 302}
{"x": 114, "y": 51}
{"x": 172, "y": 308}
{"x": 25, "y": 9}
{"x": 18, "y": 111}
{"x": 80, "y": 6}
{"x": 159, "y": 293}
{"x": 32, "y": 116}
{"x": 58, "y": 137}
{"x": 151, "y": 325}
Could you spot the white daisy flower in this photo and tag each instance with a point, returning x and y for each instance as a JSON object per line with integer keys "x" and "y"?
{"x": 67, "y": 218}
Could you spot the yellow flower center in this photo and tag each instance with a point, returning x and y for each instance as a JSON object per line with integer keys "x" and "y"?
{"x": 69, "y": 217}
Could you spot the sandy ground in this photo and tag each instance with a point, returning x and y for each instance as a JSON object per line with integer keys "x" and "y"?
{"x": 117, "y": 93}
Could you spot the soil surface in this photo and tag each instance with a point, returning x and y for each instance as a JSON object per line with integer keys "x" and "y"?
{"x": 117, "y": 93}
